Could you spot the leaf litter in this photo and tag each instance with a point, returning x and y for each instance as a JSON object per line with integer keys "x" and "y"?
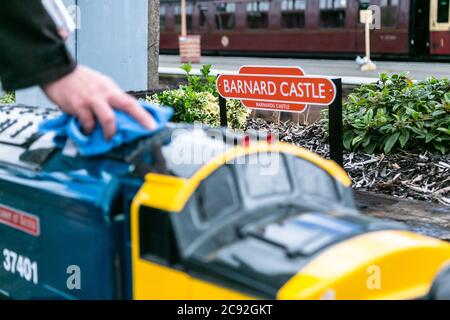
{"x": 419, "y": 175}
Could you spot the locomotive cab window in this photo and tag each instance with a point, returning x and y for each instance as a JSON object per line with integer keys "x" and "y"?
{"x": 293, "y": 14}
{"x": 389, "y": 12}
{"x": 258, "y": 14}
{"x": 188, "y": 17}
{"x": 225, "y": 16}
{"x": 156, "y": 237}
{"x": 315, "y": 182}
{"x": 217, "y": 195}
{"x": 333, "y": 13}
{"x": 266, "y": 175}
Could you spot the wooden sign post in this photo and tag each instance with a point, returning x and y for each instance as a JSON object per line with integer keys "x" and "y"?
{"x": 288, "y": 90}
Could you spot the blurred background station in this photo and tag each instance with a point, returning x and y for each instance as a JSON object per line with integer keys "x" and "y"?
{"x": 326, "y": 37}
{"x": 407, "y": 30}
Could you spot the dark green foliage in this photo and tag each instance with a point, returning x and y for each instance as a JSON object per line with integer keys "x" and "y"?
{"x": 396, "y": 113}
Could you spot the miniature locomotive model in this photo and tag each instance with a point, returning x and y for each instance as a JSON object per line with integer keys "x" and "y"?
{"x": 195, "y": 213}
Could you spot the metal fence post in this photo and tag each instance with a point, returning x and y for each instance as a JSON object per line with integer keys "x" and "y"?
{"x": 223, "y": 111}
{"x": 336, "y": 126}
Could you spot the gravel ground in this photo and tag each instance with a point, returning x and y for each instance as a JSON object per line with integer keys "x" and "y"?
{"x": 419, "y": 176}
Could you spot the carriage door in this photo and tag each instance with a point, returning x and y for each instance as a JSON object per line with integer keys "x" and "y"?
{"x": 440, "y": 27}
{"x": 420, "y": 28}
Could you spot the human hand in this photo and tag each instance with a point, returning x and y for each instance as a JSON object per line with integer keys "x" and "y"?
{"x": 89, "y": 95}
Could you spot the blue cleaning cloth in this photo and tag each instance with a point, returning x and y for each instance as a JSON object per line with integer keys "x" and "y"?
{"x": 127, "y": 130}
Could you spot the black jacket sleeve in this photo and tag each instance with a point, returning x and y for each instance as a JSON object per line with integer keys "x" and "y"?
{"x": 31, "y": 51}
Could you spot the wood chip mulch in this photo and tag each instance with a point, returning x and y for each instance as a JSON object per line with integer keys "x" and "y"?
{"x": 408, "y": 175}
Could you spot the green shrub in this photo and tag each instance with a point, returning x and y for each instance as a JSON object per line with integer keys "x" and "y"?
{"x": 8, "y": 98}
{"x": 397, "y": 113}
{"x": 198, "y": 101}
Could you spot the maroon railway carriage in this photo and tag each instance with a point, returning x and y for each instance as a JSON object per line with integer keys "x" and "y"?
{"x": 409, "y": 28}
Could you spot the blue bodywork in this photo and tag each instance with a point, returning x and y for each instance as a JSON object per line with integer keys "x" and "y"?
{"x": 84, "y": 223}
{"x": 82, "y": 207}
{"x": 81, "y": 248}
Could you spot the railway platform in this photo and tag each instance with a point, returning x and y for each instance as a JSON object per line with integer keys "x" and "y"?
{"x": 347, "y": 69}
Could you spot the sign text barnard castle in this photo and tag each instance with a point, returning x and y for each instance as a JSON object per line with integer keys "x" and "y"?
{"x": 271, "y": 88}
{"x": 288, "y": 89}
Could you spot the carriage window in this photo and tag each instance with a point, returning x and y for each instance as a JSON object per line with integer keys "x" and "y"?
{"x": 225, "y": 16}
{"x": 332, "y": 13}
{"x": 293, "y": 13}
{"x": 203, "y": 17}
{"x": 258, "y": 14}
{"x": 443, "y": 12}
{"x": 162, "y": 18}
{"x": 389, "y": 9}
{"x": 178, "y": 17}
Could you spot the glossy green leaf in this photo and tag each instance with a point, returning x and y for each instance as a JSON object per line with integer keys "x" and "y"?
{"x": 390, "y": 142}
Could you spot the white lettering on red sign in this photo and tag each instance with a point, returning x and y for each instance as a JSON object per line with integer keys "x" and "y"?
{"x": 19, "y": 220}
{"x": 276, "y": 88}
{"x": 250, "y": 87}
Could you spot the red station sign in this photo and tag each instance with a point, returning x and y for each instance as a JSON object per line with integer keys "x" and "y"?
{"x": 276, "y": 88}
{"x": 19, "y": 220}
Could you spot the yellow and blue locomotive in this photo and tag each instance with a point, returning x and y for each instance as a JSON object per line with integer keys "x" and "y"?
{"x": 195, "y": 213}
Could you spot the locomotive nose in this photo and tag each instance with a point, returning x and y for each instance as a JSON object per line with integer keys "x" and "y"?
{"x": 441, "y": 286}
{"x": 377, "y": 265}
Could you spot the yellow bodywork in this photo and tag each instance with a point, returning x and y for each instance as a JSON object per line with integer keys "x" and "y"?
{"x": 168, "y": 193}
{"x": 171, "y": 193}
{"x": 378, "y": 265}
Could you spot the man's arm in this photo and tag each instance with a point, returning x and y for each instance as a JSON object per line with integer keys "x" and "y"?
{"x": 31, "y": 51}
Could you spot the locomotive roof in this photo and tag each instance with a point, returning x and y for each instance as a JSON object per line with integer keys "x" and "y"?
{"x": 176, "y": 191}
{"x": 180, "y": 150}
{"x": 176, "y": 159}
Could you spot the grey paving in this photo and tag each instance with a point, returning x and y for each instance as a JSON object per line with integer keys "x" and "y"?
{"x": 341, "y": 68}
